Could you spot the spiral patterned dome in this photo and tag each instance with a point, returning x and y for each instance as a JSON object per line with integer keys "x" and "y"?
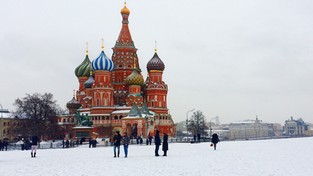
{"x": 155, "y": 63}
{"x": 83, "y": 70}
{"x": 73, "y": 104}
{"x": 102, "y": 63}
{"x": 135, "y": 78}
{"x": 89, "y": 82}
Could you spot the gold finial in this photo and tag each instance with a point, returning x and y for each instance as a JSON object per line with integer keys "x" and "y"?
{"x": 155, "y": 46}
{"x": 86, "y": 48}
{"x": 125, "y": 10}
{"x": 90, "y": 72}
{"x": 102, "y": 46}
{"x": 74, "y": 93}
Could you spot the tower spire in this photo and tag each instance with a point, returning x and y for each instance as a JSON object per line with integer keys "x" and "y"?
{"x": 86, "y": 48}
{"x": 155, "y": 46}
{"x": 74, "y": 93}
{"x": 102, "y": 44}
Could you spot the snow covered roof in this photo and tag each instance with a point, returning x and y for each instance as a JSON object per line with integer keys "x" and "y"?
{"x": 125, "y": 111}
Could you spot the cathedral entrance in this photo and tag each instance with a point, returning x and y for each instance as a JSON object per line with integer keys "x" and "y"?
{"x": 134, "y": 131}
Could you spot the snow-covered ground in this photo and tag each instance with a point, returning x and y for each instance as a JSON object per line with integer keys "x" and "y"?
{"x": 233, "y": 158}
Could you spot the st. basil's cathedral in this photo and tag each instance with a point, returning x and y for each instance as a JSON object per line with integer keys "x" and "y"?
{"x": 113, "y": 95}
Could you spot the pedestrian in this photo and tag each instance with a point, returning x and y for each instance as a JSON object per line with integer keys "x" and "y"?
{"x": 90, "y": 142}
{"x": 117, "y": 142}
{"x": 67, "y": 143}
{"x": 150, "y": 139}
{"x": 198, "y": 137}
{"x": 35, "y": 140}
{"x": 215, "y": 140}
{"x": 194, "y": 138}
{"x": 137, "y": 139}
{"x": 165, "y": 144}
{"x": 157, "y": 142}
{"x": 22, "y": 144}
{"x": 5, "y": 144}
{"x": 63, "y": 143}
{"x": 27, "y": 144}
{"x": 126, "y": 141}
{"x": 1, "y": 145}
{"x": 94, "y": 143}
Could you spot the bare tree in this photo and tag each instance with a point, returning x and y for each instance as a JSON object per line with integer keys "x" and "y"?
{"x": 36, "y": 114}
{"x": 197, "y": 124}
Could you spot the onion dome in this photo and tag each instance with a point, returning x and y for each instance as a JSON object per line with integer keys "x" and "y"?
{"x": 90, "y": 81}
{"x": 102, "y": 62}
{"x": 73, "y": 104}
{"x": 83, "y": 70}
{"x": 135, "y": 78}
{"x": 125, "y": 10}
{"x": 155, "y": 63}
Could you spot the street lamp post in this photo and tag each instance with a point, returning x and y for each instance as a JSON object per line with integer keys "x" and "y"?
{"x": 187, "y": 119}
{"x": 211, "y": 125}
{"x": 146, "y": 117}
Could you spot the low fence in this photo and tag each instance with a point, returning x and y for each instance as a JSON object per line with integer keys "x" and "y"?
{"x": 100, "y": 143}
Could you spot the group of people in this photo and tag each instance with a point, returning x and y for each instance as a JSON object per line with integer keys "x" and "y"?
{"x": 124, "y": 140}
{"x": 4, "y": 145}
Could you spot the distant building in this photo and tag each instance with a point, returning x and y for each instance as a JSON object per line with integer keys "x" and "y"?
{"x": 250, "y": 129}
{"x": 5, "y": 128}
{"x": 295, "y": 128}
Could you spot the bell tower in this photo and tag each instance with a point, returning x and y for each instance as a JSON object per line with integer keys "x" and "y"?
{"x": 124, "y": 55}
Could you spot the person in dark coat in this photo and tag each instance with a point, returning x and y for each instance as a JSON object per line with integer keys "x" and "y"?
{"x": 22, "y": 144}
{"x": 5, "y": 144}
{"x": 35, "y": 141}
{"x": 198, "y": 135}
{"x": 165, "y": 144}
{"x": 126, "y": 142}
{"x": 150, "y": 139}
{"x": 90, "y": 142}
{"x": 1, "y": 145}
{"x": 215, "y": 140}
{"x": 67, "y": 143}
{"x": 117, "y": 143}
{"x": 157, "y": 142}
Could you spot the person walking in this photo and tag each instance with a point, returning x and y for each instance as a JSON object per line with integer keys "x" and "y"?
{"x": 35, "y": 140}
{"x": 215, "y": 140}
{"x": 126, "y": 141}
{"x": 67, "y": 143}
{"x": 150, "y": 139}
{"x": 1, "y": 145}
{"x": 22, "y": 144}
{"x": 117, "y": 142}
{"x": 165, "y": 144}
{"x": 157, "y": 142}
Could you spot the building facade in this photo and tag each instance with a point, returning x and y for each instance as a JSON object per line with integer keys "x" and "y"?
{"x": 114, "y": 94}
{"x": 6, "y": 128}
{"x": 249, "y": 129}
{"x": 295, "y": 128}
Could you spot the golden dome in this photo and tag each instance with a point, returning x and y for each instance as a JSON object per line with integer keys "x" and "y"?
{"x": 125, "y": 10}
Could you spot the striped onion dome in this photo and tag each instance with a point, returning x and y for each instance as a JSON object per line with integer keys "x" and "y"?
{"x": 73, "y": 104}
{"x": 83, "y": 70}
{"x": 102, "y": 63}
{"x": 135, "y": 78}
{"x": 155, "y": 63}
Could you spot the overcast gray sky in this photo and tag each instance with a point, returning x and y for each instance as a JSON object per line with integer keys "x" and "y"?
{"x": 227, "y": 58}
